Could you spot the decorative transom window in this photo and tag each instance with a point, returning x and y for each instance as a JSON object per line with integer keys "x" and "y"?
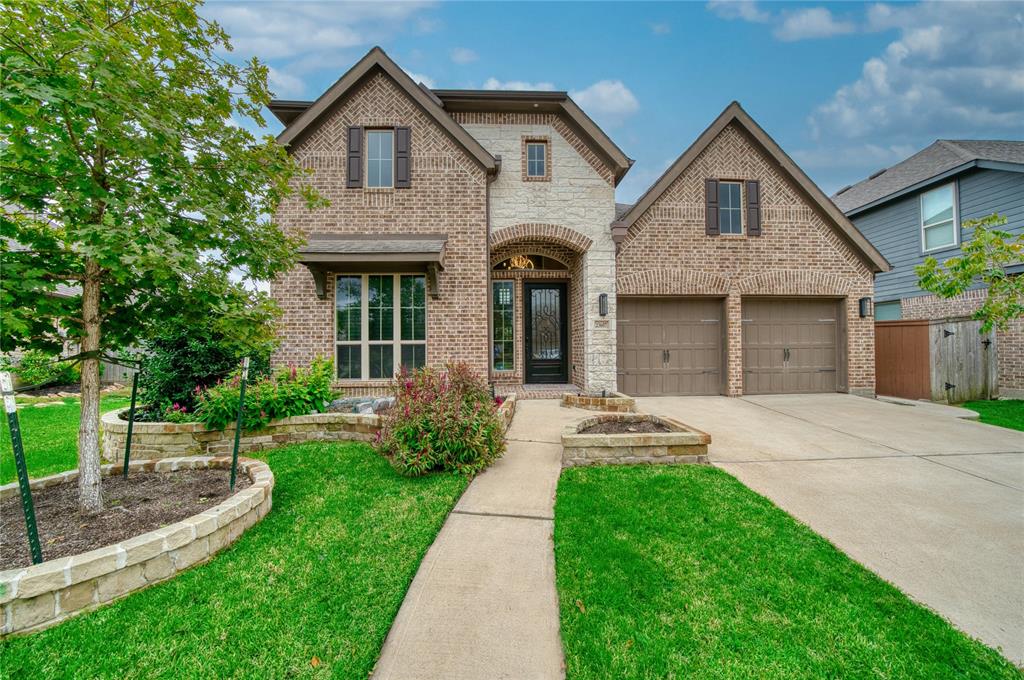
{"x": 503, "y": 325}
{"x": 529, "y": 262}
{"x": 380, "y": 324}
{"x": 730, "y": 208}
{"x": 380, "y": 158}
{"x": 938, "y": 218}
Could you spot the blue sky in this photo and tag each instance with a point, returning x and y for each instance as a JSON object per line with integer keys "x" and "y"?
{"x": 845, "y": 88}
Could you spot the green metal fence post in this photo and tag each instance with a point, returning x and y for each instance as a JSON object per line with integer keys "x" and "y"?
{"x": 238, "y": 423}
{"x": 131, "y": 422}
{"x": 7, "y": 387}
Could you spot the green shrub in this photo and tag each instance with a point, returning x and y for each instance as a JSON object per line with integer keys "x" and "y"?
{"x": 38, "y": 369}
{"x": 441, "y": 420}
{"x": 183, "y": 359}
{"x": 289, "y": 392}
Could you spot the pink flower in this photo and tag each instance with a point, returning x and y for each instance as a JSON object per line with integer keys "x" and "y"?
{"x": 197, "y": 390}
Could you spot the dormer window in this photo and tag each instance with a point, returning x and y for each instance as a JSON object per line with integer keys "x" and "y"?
{"x": 380, "y": 158}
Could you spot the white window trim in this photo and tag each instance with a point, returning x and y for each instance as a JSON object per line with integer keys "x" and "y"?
{"x": 743, "y": 222}
{"x": 364, "y": 322}
{"x": 544, "y": 160}
{"x": 956, "y": 219}
{"x": 366, "y": 170}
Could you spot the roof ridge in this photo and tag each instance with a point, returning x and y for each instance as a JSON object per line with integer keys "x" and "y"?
{"x": 952, "y": 146}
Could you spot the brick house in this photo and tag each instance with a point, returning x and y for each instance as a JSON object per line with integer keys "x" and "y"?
{"x": 917, "y": 209}
{"x": 482, "y": 226}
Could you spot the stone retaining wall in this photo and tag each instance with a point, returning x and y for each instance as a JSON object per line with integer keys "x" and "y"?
{"x": 507, "y": 410}
{"x": 44, "y": 594}
{"x": 615, "y": 402}
{"x": 683, "y": 444}
{"x": 169, "y": 440}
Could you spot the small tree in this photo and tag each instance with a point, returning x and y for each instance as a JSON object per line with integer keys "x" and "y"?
{"x": 984, "y": 260}
{"x": 126, "y": 174}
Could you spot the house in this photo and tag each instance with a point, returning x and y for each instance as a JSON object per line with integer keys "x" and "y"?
{"x": 481, "y": 226}
{"x": 917, "y": 208}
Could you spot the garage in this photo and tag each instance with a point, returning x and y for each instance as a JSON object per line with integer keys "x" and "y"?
{"x": 669, "y": 346}
{"x": 790, "y": 345}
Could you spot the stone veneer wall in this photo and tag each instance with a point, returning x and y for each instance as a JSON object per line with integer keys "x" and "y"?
{"x": 666, "y": 252}
{"x": 47, "y": 593}
{"x": 168, "y": 440}
{"x": 580, "y": 195}
{"x": 1009, "y": 342}
{"x": 448, "y": 195}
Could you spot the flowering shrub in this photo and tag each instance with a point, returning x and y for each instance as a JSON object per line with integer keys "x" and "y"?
{"x": 176, "y": 413}
{"x": 441, "y": 420}
{"x": 289, "y": 392}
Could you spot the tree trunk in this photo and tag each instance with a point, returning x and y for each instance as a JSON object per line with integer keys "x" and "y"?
{"x": 90, "y": 500}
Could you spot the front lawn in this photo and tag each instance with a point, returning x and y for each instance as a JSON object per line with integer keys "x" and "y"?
{"x": 310, "y": 590}
{"x": 684, "y": 572}
{"x": 1004, "y": 412}
{"x": 49, "y": 435}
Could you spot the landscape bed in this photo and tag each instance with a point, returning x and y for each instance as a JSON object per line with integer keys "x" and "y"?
{"x": 629, "y": 438}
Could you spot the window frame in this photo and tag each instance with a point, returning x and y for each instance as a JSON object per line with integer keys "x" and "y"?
{"x": 545, "y": 144}
{"x": 955, "y": 219}
{"x": 511, "y": 285}
{"x": 364, "y": 342}
{"x": 739, "y": 209}
{"x": 366, "y": 169}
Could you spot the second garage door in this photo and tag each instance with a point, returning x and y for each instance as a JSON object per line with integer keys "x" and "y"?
{"x": 790, "y": 346}
{"x": 669, "y": 346}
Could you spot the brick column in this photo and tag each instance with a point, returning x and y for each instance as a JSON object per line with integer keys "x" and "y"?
{"x": 734, "y": 345}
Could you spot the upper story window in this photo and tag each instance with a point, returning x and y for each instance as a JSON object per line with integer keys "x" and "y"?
{"x": 938, "y": 219}
{"x": 380, "y": 158}
{"x": 536, "y": 159}
{"x": 730, "y": 208}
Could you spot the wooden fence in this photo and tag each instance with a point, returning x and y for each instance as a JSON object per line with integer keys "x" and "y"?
{"x": 946, "y": 360}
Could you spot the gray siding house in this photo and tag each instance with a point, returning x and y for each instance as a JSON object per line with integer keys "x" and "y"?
{"x": 917, "y": 208}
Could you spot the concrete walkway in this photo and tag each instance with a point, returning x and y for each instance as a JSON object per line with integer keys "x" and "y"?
{"x": 483, "y": 604}
{"x": 927, "y": 500}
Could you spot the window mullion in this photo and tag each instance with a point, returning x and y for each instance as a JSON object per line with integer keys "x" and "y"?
{"x": 396, "y": 320}
{"x": 364, "y": 330}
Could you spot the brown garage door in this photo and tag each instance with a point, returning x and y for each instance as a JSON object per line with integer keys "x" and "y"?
{"x": 789, "y": 346}
{"x": 669, "y": 346}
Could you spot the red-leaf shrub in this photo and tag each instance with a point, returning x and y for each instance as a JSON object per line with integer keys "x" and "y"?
{"x": 441, "y": 420}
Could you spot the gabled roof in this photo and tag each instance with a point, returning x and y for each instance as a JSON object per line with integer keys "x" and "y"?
{"x": 944, "y": 158}
{"x": 734, "y": 113}
{"x": 301, "y": 116}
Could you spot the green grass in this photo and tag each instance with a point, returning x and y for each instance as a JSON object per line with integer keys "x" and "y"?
{"x": 50, "y": 437}
{"x": 683, "y": 572}
{"x": 1005, "y": 412}
{"x": 321, "y": 576}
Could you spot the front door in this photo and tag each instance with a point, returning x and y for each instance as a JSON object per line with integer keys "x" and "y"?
{"x": 547, "y": 333}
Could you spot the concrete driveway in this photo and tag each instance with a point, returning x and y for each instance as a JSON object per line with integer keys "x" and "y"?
{"x": 931, "y": 503}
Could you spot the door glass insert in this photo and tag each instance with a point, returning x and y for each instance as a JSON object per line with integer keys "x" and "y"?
{"x": 546, "y": 323}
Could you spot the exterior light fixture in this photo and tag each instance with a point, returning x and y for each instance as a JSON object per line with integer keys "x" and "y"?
{"x": 602, "y": 304}
{"x": 866, "y": 307}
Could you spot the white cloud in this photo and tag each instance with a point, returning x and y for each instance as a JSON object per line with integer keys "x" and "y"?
{"x": 607, "y": 100}
{"x": 284, "y": 84}
{"x": 814, "y": 22}
{"x": 463, "y": 55}
{"x": 747, "y": 10}
{"x": 495, "y": 84}
{"x": 420, "y": 78}
{"x": 661, "y": 28}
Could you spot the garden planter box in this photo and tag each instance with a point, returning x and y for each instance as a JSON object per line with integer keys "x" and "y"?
{"x": 44, "y": 594}
{"x": 169, "y": 440}
{"x": 682, "y": 444}
{"x": 612, "y": 402}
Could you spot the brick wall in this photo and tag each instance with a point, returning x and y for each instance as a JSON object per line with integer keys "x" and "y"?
{"x": 666, "y": 252}
{"x": 1009, "y": 342}
{"x": 448, "y": 195}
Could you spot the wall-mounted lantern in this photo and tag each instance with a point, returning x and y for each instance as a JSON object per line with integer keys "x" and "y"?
{"x": 602, "y": 304}
{"x": 866, "y": 307}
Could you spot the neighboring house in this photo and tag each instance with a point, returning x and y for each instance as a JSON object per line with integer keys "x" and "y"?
{"x": 917, "y": 209}
{"x": 481, "y": 226}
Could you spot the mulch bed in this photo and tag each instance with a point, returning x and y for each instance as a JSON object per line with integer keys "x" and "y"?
{"x": 147, "y": 501}
{"x": 626, "y": 427}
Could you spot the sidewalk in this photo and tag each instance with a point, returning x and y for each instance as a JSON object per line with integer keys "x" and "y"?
{"x": 483, "y": 604}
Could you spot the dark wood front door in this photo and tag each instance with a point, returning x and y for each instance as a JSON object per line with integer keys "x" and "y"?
{"x": 547, "y": 332}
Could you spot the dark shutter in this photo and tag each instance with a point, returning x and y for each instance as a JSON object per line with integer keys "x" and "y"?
{"x": 403, "y": 172}
{"x": 753, "y": 208}
{"x": 711, "y": 227}
{"x": 355, "y": 158}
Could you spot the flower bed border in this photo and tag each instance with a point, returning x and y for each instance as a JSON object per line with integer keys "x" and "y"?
{"x": 615, "y": 402}
{"x": 45, "y": 594}
{"x": 683, "y": 444}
